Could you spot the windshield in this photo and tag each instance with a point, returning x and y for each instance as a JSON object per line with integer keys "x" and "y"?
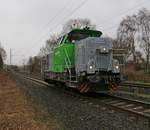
{"x": 79, "y": 34}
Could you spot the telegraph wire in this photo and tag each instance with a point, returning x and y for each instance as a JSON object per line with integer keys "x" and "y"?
{"x": 60, "y": 12}
{"x": 141, "y": 3}
{"x": 66, "y": 17}
{"x": 54, "y": 18}
{"x": 124, "y": 12}
{"x": 115, "y": 25}
{"x": 78, "y": 7}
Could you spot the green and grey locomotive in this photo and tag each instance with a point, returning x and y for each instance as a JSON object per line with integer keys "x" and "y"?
{"x": 83, "y": 60}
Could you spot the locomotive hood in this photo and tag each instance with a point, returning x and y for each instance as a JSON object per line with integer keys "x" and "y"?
{"x": 94, "y": 54}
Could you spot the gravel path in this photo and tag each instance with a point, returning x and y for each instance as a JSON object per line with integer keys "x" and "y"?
{"x": 77, "y": 114}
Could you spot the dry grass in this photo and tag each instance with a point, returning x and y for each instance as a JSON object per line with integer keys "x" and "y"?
{"x": 17, "y": 112}
{"x": 135, "y": 74}
{"x": 138, "y": 76}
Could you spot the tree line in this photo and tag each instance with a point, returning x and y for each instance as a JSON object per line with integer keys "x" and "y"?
{"x": 133, "y": 35}
{"x": 2, "y": 56}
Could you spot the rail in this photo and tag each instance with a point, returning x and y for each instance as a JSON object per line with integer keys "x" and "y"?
{"x": 129, "y": 105}
{"x": 136, "y": 89}
{"x": 136, "y": 84}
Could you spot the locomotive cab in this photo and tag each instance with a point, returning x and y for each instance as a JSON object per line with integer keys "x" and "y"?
{"x": 79, "y": 34}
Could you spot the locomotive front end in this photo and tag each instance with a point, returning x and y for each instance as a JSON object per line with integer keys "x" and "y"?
{"x": 95, "y": 66}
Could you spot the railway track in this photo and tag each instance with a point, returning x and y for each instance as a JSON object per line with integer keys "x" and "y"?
{"x": 125, "y": 104}
{"x": 129, "y": 105}
{"x": 137, "y": 85}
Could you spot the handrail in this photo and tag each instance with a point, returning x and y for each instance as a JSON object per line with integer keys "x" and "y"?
{"x": 67, "y": 63}
{"x": 67, "y": 56}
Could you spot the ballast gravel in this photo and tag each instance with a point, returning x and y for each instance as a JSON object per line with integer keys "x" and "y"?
{"x": 76, "y": 114}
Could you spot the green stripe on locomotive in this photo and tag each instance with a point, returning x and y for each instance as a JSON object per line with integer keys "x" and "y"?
{"x": 63, "y": 57}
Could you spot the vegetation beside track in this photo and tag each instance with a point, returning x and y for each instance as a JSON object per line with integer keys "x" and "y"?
{"x": 80, "y": 112}
{"x": 17, "y": 111}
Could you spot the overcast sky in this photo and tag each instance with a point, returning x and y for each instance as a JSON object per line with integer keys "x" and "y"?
{"x": 26, "y": 24}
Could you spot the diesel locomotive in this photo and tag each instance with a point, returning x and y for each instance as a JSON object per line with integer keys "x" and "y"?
{"x": 83, "y": 60}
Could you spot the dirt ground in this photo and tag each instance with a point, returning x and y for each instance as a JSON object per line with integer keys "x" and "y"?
{"x": 17, "y": 112}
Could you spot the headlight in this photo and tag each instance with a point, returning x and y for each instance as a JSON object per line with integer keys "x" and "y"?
{"x": 117, "y": 67}
{"x": 91, "y": 67}
{"x": 104, "y": 49}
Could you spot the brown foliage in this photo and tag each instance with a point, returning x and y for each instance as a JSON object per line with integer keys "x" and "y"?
{"x": 1, "y": 62}
{"x": 17, "y": 112}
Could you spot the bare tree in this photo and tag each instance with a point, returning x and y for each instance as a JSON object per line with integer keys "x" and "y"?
{"x": 50, "y": 44}
{"x": 144, "y": 33}
{"x": 34, "y": 64}
{"x": 30, "y": 64}
{"x": 1, "y": 62}
{"x": 126, "y": 36}
{"x": 43, "y": 52}
{"x": 2, "y": 52}
{"x": 77, "y": 23}
{"x": 68, "y": 26}
{"x": 139, "y": 57}
{"x": 2, "y": 56}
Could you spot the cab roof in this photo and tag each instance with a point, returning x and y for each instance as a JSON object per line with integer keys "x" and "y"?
{"x": 86, "y": 30}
